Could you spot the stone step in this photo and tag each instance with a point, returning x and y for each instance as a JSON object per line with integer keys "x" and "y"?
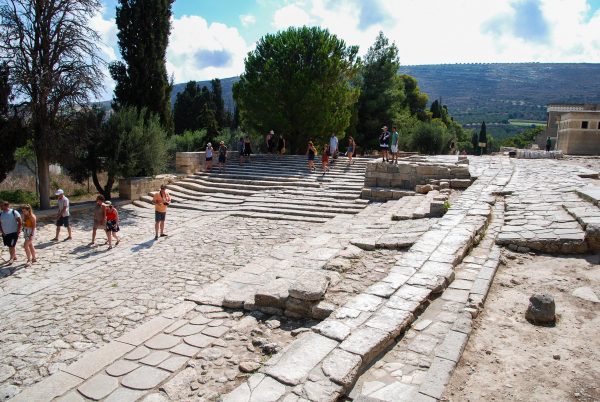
{"x": 253, "y": 181}
{"x": 208, "y": 189}
{"x": 277, "y": 217}
{"x": 240, "y": 185}
{"x": 273, "y": 206}
{"x": 316, "y": 202}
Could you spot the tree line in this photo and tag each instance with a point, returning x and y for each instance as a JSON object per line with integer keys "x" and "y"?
{"x": 305, "y": 83}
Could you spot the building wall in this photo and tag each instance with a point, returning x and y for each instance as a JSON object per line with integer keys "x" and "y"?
{"x": 573, "y": 139}
{"x": 555, "y": 114}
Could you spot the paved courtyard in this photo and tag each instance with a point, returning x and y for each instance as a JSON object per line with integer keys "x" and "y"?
{"x": 254, "y": 297}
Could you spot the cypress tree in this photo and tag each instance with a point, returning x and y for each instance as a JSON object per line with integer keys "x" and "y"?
{"x": 217, "y": 95}
{"x": 141, "y": 80}
{"x": 483, "y": 136}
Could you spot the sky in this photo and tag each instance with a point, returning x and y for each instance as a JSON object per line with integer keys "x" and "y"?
{"x": 211, "y": 38}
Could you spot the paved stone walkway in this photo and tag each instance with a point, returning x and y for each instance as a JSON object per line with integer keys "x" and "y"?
{"x": 115, "y": 325}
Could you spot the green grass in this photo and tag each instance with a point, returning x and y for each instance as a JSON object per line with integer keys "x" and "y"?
{"x": 526, "y": 123}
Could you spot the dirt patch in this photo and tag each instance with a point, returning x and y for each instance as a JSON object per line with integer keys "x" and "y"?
{"x": 507, "y": 358}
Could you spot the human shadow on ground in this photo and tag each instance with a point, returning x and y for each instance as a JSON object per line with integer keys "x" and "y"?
{"x": 142, "y": 246}
{"x": 41, "y": 246}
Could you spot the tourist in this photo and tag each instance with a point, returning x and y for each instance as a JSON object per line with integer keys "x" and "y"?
{"x": 112, "y": 224}
{"x": 270, "y": 142}
{"x": 548, "y": 144}
{"x": 99, "y": 217}
{"x": 394, "y": 145}
{"x": 209, "y": 157}
{"x": 161, "y": 200}
{"x": 29, "y": 225}
{"x": 333, "y": 145}
{"x": 311, "y": 152}
{"x": 222, "y": 156}
{"x": 10, "y": 227}
{"x": 351, "y": 149}
{"x": 62, "y": 217}
{"x": 241, "y": 149}
{"x": 325, "y": 159}
{"x": 247, "y": 148}
{"x": 280, "y": 145}
{"x": 384, "y": 139}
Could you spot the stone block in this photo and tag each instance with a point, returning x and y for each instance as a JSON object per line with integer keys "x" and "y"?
{"x": 367, "y": 342}
{"x": 98, "y": 387}
{"x": 92, "y": 362}
{"x": 309, "y": 286}
{"x": 272, "y": 294}
{"x": 460, "y": 184}
{"x": 162, "y": 341}
{"x": 333, "y": 329}
{"x": 145, "y": 331}
{"x": 364, "y": 302}
{"x": 453, "y": 345}
{"x": 392, "y": 321}
{"x": 437, "y": 377}
{"x": 322, "y": 310}
{"x": 341, "y": 367}
{"x": 144, "y": 378}
{"x": 49, "y": 388}
{"x": 298, "y": 307}
{"x": 423, "y": 188}
{"x": 300, "y": 357}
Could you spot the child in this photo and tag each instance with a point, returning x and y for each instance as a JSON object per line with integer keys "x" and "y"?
{"x": 222, "y": 156}
{"x": 325, "y": 159}
{"x": 209, "y": 156}
{"x": 29, "y": 225}
{"x": 112, "y": 224}
{"x": 311, "y": 152}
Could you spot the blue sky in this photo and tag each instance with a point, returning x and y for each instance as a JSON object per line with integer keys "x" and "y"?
{"x": 211, "y": 38}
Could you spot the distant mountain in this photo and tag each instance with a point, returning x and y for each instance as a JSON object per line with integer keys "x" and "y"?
{"x": 491, "y": 92}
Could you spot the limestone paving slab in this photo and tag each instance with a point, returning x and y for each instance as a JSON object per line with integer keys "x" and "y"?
{"x": 121, "y": 367}
{"x": 144, "y": 377}
{"x": 92, "y": 362}
{"x": 98, "y": 387}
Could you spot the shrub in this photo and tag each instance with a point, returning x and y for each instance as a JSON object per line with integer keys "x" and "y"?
{"x": 189, "y": 141}
{"x": 20, "y": 197}
{"x": 430, "y": 139}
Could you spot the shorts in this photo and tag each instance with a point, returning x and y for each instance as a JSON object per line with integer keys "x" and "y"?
{"x": 63, "y": 221}
{"x": 159, "y": 216}
{"x": 222, "y": 159}
{"x": 350, "y": 151}
{"x": 383, "y": 147}
{"x": 10, "y": 239}
{"x": 209, "y": 159}
{"x": 247, "y": 150}
{"x": 394, "y": 149}
{"x": 27, "y": 233}
{"x": 311, "y": 157}
{"x": 111, "y": 226}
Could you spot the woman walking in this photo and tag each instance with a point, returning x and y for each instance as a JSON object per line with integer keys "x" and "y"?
{"x": 325, "y": 159}
{"x": 29, "y": 225}
{"x": 350, "y": 151}
{"x": 112, "y": 224}
{"x": 209, "y": 157}
{"x": 311, "y": 152}
{"x": 99, "y": 217}
{"x": 247, "y": 148}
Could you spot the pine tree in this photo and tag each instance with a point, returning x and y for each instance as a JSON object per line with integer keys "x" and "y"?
{"x": 141, "y": 80}
{"x": 217, "y": 96}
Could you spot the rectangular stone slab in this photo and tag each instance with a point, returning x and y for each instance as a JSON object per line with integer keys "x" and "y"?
{"x": 299, "y": 358}
{"x": 53, "y": 386}
{"x": 92, "y": 362}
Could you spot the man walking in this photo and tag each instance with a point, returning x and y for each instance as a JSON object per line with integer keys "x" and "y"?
{"x": 394, "y": 145}
{"x": 62, "y": 217}
{"x": 333, "y": 146}
{"x": 161, "y": 200}
{"x": 10, "y": 226}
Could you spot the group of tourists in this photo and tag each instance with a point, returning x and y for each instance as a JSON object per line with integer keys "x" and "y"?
{"x": 388, "y": 144}
{"x": 329, "y": 150}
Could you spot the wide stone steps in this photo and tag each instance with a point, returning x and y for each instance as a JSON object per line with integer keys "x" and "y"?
{"x": 278, "y": 217}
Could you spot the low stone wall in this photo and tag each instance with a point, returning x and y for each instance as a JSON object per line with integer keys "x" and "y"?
{"x": 538, "y": 154}
{"x": 134, "y": 187}
{"x": 192, "y": 162}
{"x": 384, "y": 181}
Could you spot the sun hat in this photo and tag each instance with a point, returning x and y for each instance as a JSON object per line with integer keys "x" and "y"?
{"x": 222, "y": 143}
{"x": 209, "y": 145}
{"x": 384, "y": 127}
{"x": 60, "y": 191}
{"x": 271, "y": 132}
{"x": 107, "y": 203}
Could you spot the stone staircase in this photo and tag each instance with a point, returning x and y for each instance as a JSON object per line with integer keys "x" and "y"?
{"x": 272, "y": 188}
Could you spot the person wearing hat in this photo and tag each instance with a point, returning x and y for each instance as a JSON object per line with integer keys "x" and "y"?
{"x": 161, "y": 200}
{"x": 99, "y": 217}
{"x": 209, "y": 157}
{"x": 384, "y": 143}
{"x": 222, "y": 156}
{"x": 112, "y": 224}
{"x": 333, "y": 146}
{"x": 62, "y": 217}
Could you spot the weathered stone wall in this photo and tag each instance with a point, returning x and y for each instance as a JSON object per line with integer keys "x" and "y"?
{"x": 391, "y": 181}
{"x": 133, "y": 188}
{"x": 192, "y": 162}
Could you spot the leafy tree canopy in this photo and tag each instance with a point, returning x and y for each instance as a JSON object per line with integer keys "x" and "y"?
{"x": 297, "y": 82}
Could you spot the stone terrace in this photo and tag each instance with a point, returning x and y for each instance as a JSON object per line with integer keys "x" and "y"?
{"x": 397, "y": 338}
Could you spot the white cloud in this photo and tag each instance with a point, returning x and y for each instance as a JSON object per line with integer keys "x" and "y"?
{"x": 291, "y": 15}
{"x": 199, "y": 51}
{"x": 459, "y": 31}
{"x": 247, "y": 19}
{"x": 107, "y": 29}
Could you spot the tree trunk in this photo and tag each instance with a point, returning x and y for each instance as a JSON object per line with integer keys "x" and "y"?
{"x": 44, "y": 180}
{"x": 106, "y": 190}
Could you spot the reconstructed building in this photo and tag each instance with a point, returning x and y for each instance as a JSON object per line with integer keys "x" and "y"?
{"x": 573, "y": 129}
